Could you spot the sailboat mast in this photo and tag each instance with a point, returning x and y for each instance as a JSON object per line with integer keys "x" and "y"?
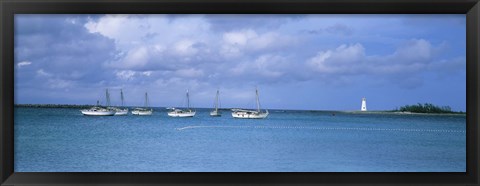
{"x": 258, "y": 101}
{"x": 146, "y": 99}
{"x": 216, "y": 102}
{"x": 121, "y": 96}
{"x": 108, "y": 97}
{"x": 188, "y": 100}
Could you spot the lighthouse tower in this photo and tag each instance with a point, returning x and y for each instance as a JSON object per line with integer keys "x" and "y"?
{"x": 364, "y": 104}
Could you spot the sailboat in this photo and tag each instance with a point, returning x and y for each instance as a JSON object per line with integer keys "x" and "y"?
{"x": 216, "y": 112}
{"x": 182, "y": 113}
{"x": 121, "y": 111}
{"x": 250, "y": 114}
{"x": 98, "y": 110}
{"x": 143, "y": 111}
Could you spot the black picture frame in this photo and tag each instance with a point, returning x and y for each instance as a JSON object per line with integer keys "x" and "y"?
{"x": 10, "y": 7}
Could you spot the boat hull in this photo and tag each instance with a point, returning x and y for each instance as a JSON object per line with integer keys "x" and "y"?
{"x": 181, "y": 115}
{"x": 142, "y": 112}
{"x": 215, "y": 114}
{"x": 249, "y": 115}
{"x": 98, "y": 113}
{"x": 121, "y": 113}
{"x": 145, "y": 113}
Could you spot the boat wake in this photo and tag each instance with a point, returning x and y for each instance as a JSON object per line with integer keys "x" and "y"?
{"x": 325, "y": 128}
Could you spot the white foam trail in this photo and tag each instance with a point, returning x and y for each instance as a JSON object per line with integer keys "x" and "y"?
{"x": 326, "y": 128}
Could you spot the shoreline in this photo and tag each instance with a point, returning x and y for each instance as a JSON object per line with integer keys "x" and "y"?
{"x": 401, "y": 113}
{"x": 52, "y": 106}
{"x": 225, "y": 109}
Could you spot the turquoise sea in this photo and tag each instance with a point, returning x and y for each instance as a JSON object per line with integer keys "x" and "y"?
{"x": 63, "y": 140}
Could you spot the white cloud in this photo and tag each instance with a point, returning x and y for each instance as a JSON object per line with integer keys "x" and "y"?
{"x": 339, "y": 60}
{"x": 183, "y": 45}
{"x": 137, "y": 57}
{"x": 404, "y": 64}
{"x": 147, "y": 73}
{"x": 114, "y": 27}
{"x": 237, "y": 43}
{"x": 159, "y": 48}
{"x": 415, "y": 50}
{"x": 59, "y": 83}
{"x": 265, "y": 66}
{"x": 239, "y": 37}
{"x": 266, "y": 40}
{"x": 71, "y": 20}
{"x": 231, "y": 51}
{"x": 125, "y": 74}
{"x": 131, "y": 31}
{"x": 23, "y": 63}
{"x": 272, "y": 66}
{"x": 185, "y": 48}
{"x": 41, "y": 72}
{"x": 412, "y": 56}
{"x": 152, "y": 41}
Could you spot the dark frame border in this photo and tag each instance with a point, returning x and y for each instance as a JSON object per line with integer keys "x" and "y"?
{"x": 10, "y": 7}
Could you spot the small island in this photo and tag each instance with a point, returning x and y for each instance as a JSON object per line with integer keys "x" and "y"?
{"x": 427, "y": 108}
{"x": 53, "y": 105}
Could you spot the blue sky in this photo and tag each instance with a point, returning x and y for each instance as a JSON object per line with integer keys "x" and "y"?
{"x": 322, "y": 62}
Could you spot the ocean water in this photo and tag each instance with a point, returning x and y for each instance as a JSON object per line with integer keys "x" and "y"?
{"x": 63, "y": 140}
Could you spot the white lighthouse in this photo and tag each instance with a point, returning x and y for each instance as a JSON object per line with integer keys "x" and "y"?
{"x": 364, "y": 104}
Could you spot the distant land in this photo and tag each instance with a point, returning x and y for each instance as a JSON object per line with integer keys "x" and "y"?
{"x": 54, "y": 105}
{"x": 426, "y": 108}
{"x": 403, "y": 113}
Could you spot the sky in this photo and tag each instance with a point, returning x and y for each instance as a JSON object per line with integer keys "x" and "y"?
{"x": 308, "y": 62}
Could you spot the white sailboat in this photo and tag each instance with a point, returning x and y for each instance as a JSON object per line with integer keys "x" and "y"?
{"x": 98, "y": 110}
{"x": 121, "y": 111}
{"x": 216, "y": 112}
{"x": 182, "y": 113}
{"x": 143, "y": 111}
{"x": 250, "y": 114}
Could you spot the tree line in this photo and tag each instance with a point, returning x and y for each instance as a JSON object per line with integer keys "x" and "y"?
{"x": 53, "y": 105}
{"x": 425, "y": 108}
